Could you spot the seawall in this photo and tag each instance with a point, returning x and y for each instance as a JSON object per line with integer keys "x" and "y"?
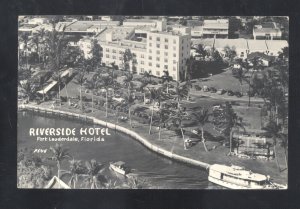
{"x": 124, "y": 130}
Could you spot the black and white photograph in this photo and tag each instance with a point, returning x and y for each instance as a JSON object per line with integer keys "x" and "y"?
{"x": 153, "y": 102}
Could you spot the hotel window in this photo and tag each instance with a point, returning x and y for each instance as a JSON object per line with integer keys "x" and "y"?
{"x": 120, "y": 58}
{"x": 174, "y": 47}
{"x": 157, "y": 59}
{"x": 114, "y": 57}
{"x": 174, "y": 62}
{"x": 157, "y": 73}
{"x": 166, "y": 40}
{"x": 166, "y": 47}
{"x": 166, "y": 53}
{"x": 157, "y": 39}
{"x": 157, "y": 65}
{"x": 142, "y": 62}
{"x": 150, "y": 51}
{"x": 157, "y": 52}
{"x": 120, "y": 52}
{"x": 150, "y": 57}
{"x": 150, "y": 37}
{"x": 150, "y": 63}
{"x": 174, "y": 41}
{"x": 166, "y": 60}
{"x": 142, "y": 70}
{"x": 157, "y": 45}
{"x": 114, "y": 51}
{"x": 182, "y": 47}
{"x": 174, "y": 68}
{"x": 150, "y": 44}
{"x": 107, "y": 50}
{"x": 174, "y": 55}
{"x": 107, "y": 56}
{"x": 166, "y": 67}
{"x": 142, "y": 55}
{"x": 242, "y": 54}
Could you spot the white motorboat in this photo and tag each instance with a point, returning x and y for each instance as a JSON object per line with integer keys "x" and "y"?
{"x": 119, "y": 167}
{"x": 236, "y": 177}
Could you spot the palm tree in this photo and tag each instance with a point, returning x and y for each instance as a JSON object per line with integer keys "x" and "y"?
{"x": 163, "y": 115}
{"x": 240, "y": 75}
{"x": 129, "y": 101}
{"x": 273, "y": 130}
{"x": 177, "y": 118}
{"x": 128, "y": 81}
{"x": 147, "y": 77}
{"x": 56, "y": 77}
{"x": 41, "y": 33}
{"x": 76, "y": 169}
{"x": 27, "y": 89}
{"x": 65, "y": 82}
{"x": 155, "y": 95}
{"x": 202, "y": 118}
{"x": 59, "y": 154}
{"x": 167, "y": 78}
{"x": 104, "y": 83}
{"x": 227, "y": 121}
{"x": 92, "y": 85}
{"x": 24, "y": 37}
{"x": 94, "y": 177}
{"x": 181, "y": 92}
{"x": 80, "y": 79}
{"x": 127, "y": 57}
{"x": 201, "y": 51}
{"x": 190, "y": 63}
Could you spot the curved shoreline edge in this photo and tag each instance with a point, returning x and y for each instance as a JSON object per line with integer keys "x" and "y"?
{"x": 122, "y": 129}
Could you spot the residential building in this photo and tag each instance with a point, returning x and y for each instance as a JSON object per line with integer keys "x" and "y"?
{"x": 197, "y": 32}
{"x": 215, "y": 28}
{"x": 267, "y": 31}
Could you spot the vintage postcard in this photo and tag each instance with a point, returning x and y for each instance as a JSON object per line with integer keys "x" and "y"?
{"x": 153, "y": 102}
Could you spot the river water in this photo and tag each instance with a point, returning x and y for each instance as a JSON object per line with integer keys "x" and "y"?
{"x": 157, "y": 171}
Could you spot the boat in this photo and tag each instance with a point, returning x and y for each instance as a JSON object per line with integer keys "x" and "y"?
{"x": 236, "y": 177}
{"x": 119, "y": 167}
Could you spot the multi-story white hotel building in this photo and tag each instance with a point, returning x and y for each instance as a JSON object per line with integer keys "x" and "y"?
{"x": 159, "y": 51}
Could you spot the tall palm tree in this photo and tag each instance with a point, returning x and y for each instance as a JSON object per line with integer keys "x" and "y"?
{"x": 41, "y": 33}
{"x": 56, "y": 77}
{"x": 127, "y": 57}
{"x": 190, "y": 63}
{"x": 273, "y": 130}
{"x": 104, "y": 83}
{"x": 240, "y": 75}
{"x": 177, "y": 118}
{"x": 80, "y": 79}
{"x": 163, "y": 117}
{"x": 166, "y": 79}
{"x": 181, "y": 92}
{"x": 202, "y": 118}
{"x": 65, "y": 82}
{"x": 227, "y": 121}
{"x": 24, "y": 37}
{"x": 155, "y": 96}
{"x": 128, "y": 82}
{"x": 94, "y": 177}
{"x": 76, "y": 169}
{"x": 201, "y": 51}
{"x": 129, "y": 101}
{"x": 92, "y": 85}
{"x": 147, "y": 77}
{"x": 59, "y": 154}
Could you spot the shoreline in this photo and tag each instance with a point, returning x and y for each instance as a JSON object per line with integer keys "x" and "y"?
{"x": 193, "y": 157}
{"x": 145, "y": 142}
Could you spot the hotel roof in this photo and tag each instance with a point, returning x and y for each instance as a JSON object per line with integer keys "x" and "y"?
{"x": 257, "y": 45}
{"x": 220, "y": 23}
{"x": 118, "y": 33}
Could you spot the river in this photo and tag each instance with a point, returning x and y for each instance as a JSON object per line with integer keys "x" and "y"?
{"x": 159, "y": 172}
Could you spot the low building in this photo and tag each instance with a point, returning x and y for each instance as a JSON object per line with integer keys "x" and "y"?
{"x": 266, "y": 60}
{"x": 215, "y": 28}
{"x": 267, "y": 31}
{"x": 239, "y": 45}
{"x": 197, "y": 32}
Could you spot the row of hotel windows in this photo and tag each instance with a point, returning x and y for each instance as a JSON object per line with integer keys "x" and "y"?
{"x": 157, "y": 72}
{"x": 166, "y": 46}
{"x": 166, "y": 40}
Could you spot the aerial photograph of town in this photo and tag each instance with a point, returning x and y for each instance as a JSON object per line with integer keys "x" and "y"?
{"x": 153, "y": 102}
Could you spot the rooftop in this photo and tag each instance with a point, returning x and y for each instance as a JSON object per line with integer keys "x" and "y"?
{"x": 118, "y": 33}
{"x": 257, "y": 45}
{"x": 259, "y": 54}
{"x": 237, "y": 43}
{"x": 140, "y": 20}
{"x": 219, "y": 23}
{"x": 276, "y": 45}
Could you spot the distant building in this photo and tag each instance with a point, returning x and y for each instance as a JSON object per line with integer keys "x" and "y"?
{"x": 267, "y": 31}
{"x": 239, "y": 45}
{"x": 197, "y": 32}
{"x": 215, "y": 28}
{"x": 266, "y": 60}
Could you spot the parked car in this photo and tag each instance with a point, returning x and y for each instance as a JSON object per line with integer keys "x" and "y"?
{"x": 230, "y": 93}
{"x": 213, "y": 90}
{"x": 221, "y": 91}
{"x": 238, "y": 94}
{"x": 205, "y": 88}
